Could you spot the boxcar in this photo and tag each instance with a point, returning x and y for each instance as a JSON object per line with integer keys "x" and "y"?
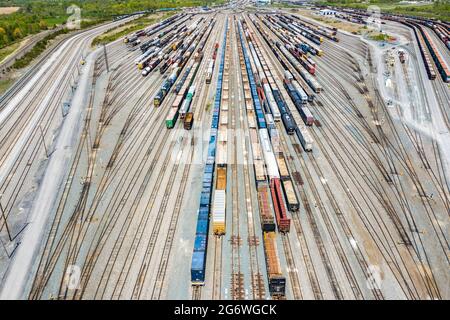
{"x": 188, "y": 121}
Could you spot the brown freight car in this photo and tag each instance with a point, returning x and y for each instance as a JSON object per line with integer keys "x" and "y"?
{"x": 277, "y": 282}
{"x": 267, "y": 220}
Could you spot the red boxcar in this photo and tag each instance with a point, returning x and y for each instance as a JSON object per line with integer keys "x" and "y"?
{"x": 284, "y": 223}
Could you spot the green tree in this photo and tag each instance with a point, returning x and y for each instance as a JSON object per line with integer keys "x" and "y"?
{"x": 43, "y": 25}
{"x": 17, "y": 34}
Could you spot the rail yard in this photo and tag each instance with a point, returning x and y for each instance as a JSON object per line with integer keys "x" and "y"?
{"x": 238, "y": 152}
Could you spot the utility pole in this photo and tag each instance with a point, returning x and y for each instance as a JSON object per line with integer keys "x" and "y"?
{"x": 43, "y": 140}
{"x": 6, "y": 222}
{"x": 106, "y": 57}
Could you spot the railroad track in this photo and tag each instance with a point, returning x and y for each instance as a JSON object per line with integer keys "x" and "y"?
{"x": 33, "y": 147}
{"x": 258, "y": 289}
{"x": 376, "y": 191}
{"x": 217, "y": 270}
{"x": 358, "y": 120}
{"x": 196, "y": 293}
{"x": 103, "y": 185}
{"x": 292, "y": 269}
{"x": 237, "y": 277}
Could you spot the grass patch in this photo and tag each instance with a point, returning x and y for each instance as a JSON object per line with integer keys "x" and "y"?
{"x": 53, "y": 21}
{"x": 4, "y": 52}
{"x": 379, "y": 36}
{"x": 5, "y": 84}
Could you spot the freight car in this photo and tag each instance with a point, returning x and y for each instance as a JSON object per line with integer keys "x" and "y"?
{"x": 209, "y": 71}
{"x": 187, "y": 102}
{"x": 218, "y": 213}
{"x": 267, "y": 220}
{"x": 269, "y": 157}
{"x": 188, "y": 121}
{"x": 283, "y": 222}
{"x": 270, "y": 101}
{"x": 282, "y": 166}
{"x": 277, "y": 282}
{"x": 305, "y": 138}
{"x": 289, "y": 193}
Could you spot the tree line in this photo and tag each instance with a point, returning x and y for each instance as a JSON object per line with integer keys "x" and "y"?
{"x": 37, "y": 15}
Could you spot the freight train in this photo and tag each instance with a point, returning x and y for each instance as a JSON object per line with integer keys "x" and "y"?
{"x": 198, "y": 264}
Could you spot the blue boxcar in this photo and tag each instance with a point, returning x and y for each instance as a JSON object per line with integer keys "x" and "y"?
{"x": 198, "y": 267}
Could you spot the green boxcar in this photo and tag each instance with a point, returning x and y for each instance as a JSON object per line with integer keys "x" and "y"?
{"x": 171, "y": 118}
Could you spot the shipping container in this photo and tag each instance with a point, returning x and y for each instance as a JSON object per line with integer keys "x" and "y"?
{"x": 219, "y": 212}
